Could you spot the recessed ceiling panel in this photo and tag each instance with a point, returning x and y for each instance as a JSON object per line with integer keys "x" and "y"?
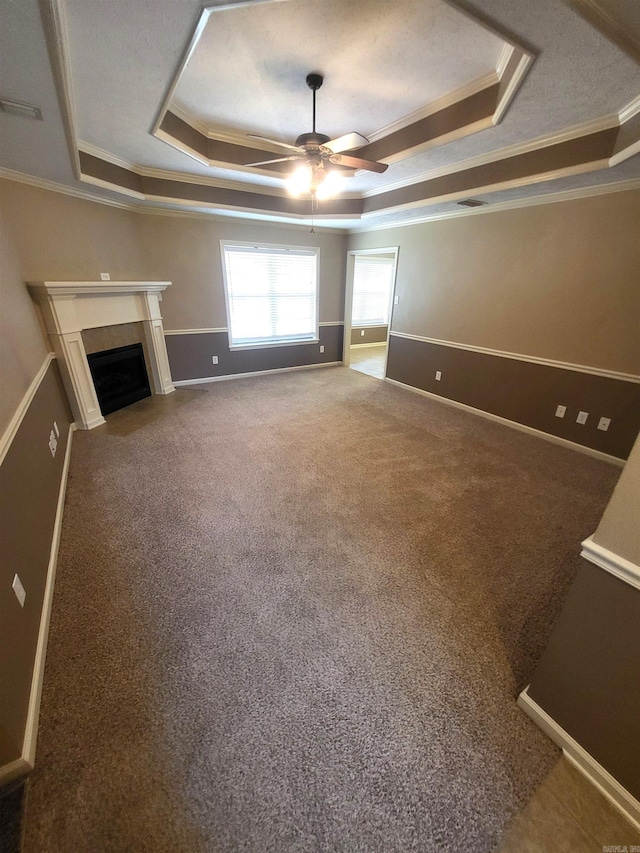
{"x": 381, "y": 61}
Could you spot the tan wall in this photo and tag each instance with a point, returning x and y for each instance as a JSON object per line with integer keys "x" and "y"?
{"x": 619, "y": 530}
{"x": 186, "y": 251}
{"x": 557, "y": 281}
{"x": 59, "y": 237}
{"x": 22, "y": 345}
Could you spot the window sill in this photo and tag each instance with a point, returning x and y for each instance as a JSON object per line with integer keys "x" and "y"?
{"x": 273, "y": 344}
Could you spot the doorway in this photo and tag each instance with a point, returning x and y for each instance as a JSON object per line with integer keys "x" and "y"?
{"x": 369, "y": 299}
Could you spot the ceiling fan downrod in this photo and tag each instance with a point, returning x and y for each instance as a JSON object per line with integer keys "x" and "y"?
{"x": 314, "y": 82}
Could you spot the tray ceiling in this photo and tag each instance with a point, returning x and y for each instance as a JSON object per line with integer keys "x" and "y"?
{"x": 490, "y": 99}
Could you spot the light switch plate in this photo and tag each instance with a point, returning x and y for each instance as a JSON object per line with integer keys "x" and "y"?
{"x": 582, "y": 417}
{"x": 321, "y": 347}
{"x": 19, "y": 590}
{"x": 438, "y": 375}
{"x": 214, "y": 359}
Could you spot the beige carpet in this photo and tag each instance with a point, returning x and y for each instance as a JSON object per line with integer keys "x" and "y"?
{"x": 294, "y": 615}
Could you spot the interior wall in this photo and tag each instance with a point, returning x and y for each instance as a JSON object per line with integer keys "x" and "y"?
{"x": 22, "y": 345}
{"x": 556, "y": 282}
{"x": 186, "y": 251}
{"x": 619, "y": 529}
{"x": 59, "y": 237}
{"x": 587, "y": 679}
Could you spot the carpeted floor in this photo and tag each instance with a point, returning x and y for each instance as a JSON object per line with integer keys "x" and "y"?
{"x": 294, "y": 615}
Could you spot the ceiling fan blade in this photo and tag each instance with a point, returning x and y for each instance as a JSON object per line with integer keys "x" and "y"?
{"x": 357, "y": 163}
{"x": 273, "y": 142}
{"x": 346, "y": 143}
{"x": 266, "y": 162}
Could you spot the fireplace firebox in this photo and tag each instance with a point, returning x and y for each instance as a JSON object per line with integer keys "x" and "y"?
{"x": 119, "y": 376}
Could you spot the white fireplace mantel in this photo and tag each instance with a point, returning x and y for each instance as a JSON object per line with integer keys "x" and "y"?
{"x": 68, "y": 307}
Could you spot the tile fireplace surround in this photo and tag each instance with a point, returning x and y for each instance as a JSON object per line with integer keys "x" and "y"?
{"x": 68, "y": 307}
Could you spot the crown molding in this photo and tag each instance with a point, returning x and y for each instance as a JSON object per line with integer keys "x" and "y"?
{"x": 181, "y": 177}
{"x": 94, "y": 151}
{"x": 504, "y": 59}
{"x": 63, "y": 189}
{"x": 193, "y": 43}
{"x": 517, "y": 78}
{"x": 513, "y": 204}
{"x": 630, "y": 110}
{"x": 55, "y": 32}
{"x": 188, "y": 118}
{"x": 556, "y": 138}
{"x": 447, "y": 100}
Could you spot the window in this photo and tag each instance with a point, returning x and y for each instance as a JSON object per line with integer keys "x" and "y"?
{"x": 372, "y": 284}
{"x": 272, "y": 294}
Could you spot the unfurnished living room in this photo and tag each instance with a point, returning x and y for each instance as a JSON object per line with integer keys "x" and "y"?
{"x": 319, "y": 457}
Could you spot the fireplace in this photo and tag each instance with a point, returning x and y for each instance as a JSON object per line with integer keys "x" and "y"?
{"x": 71, "y": 307}
{"x": 119, "y": 376}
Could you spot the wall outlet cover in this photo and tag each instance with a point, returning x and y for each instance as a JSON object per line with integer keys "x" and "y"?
{"x": 561, "y": 411}
{"x": 214, "y": 359}
{"x": 321, "y": 347}
{"x": 438, "y": 375}
{"x": 104, "y": 276}
{"x": 362, "y": 333}
{"x": 582, "y": 417}
{"x": 19, "y": 590}
{"x": 603, "y": 424}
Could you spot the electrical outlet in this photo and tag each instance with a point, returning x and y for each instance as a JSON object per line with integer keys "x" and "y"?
{"x": 19, "y": 590}
{"x": 321, "y": 347}
{"x": 438, "y": 375}
{"x": 582, "y": 417}
{"x": 214, "y": 359}
{"x": 561, "y": 411}
{"x": 362, "y": 333}
{"x": 53, "y": 443}
{"x": 603, "y": 424}
{"x": 104, "y": 276}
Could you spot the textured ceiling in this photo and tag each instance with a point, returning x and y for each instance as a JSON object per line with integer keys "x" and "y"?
{"x": 381, "y": 61}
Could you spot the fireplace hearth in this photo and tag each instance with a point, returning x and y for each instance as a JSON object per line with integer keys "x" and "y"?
{"x": 119, "y": 376}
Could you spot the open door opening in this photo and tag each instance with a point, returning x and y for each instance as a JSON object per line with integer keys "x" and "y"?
{"x": 369, "y": 298}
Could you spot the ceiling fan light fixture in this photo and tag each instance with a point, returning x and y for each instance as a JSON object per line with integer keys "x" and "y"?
{"x": 299, "y": 181}
{"x": 331, "y": 186}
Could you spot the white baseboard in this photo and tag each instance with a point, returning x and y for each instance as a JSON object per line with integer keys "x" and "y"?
{"x": 547, "y": 436}
{"x": 14, "y": 770}
{"x": 204, "y": 379}
{"x": 25, "y": 764}
{"x": 609, "y": 787}
{"x": 616, "y": 565}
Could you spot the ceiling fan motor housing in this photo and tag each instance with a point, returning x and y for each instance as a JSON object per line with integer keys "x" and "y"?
{"x": 311, "y": 139}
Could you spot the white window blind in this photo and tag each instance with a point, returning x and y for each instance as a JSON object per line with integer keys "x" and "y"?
{"x": 272, "y": 294}
{"x": 372, "y": 283}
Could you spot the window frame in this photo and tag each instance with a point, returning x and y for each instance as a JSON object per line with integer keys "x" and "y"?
{"x": 247, "y": 244}
{"x": 389, "y": 259}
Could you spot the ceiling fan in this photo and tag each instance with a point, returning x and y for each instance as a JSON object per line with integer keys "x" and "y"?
{"x": 316, "y": 152}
